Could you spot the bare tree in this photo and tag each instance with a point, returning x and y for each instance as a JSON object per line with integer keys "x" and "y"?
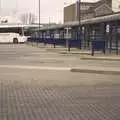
{"x": 28, "y": 18}
{"x": 23, "y": 18}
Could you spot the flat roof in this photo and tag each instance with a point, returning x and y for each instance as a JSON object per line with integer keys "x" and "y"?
{"x": 107, "y": 18}
{"x": 17, "y": 25}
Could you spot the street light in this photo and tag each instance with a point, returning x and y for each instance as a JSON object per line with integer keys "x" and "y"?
{"x": 79, "y": 14}
{"x": 79, "y": 20}
{"x": 39, "y": 18}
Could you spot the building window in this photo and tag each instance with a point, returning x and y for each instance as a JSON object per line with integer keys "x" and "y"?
{"x": 84, "y": 7}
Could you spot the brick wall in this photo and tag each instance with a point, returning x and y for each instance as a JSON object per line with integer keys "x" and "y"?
{"x": 70, "y": 13}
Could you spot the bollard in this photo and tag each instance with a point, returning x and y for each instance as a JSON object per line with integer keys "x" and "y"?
{"x": 92, "y": 52}
{"x": 69, "y": 48}
{"x": 54, "y": 45}
{"x": 104, "y": 51}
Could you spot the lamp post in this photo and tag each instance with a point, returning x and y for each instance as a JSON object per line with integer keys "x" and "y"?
{"x": 79, "y": 20}
{"x": 79, "y": 12}
{"x": 39, "y": 18}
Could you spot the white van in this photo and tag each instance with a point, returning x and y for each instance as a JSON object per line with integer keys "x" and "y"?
{"x": 12, "y": 38}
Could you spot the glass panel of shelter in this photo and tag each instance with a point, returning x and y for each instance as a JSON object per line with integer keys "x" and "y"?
{"x": 113, "y": 37}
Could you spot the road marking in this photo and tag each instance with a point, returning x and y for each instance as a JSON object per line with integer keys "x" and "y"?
{"x": 36, "y": 67}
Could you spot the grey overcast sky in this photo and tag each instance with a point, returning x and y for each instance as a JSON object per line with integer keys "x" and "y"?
{"x": 51, "y": 10}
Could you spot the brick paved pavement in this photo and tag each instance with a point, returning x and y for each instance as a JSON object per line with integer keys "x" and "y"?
{"x": 55, "y": 95}
{"x": 30, "y": 95}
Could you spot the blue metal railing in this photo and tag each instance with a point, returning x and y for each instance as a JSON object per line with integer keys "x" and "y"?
{"x": 55, "y": 42}
{"x": 98, "y": 44}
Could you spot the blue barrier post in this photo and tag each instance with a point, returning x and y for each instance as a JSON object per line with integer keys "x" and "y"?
{"x": 54, "y": 43}
{"x": 117, "y": 44}
{"x": 79, "y": 38}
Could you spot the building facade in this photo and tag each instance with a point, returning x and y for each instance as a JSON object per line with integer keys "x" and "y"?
{"x": 90, "y": 10}
{"x": 116, "y": 5}
{"x": 70, "y": 13}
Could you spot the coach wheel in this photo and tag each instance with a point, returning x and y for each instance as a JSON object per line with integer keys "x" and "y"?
{"x": 15, "y": 40}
